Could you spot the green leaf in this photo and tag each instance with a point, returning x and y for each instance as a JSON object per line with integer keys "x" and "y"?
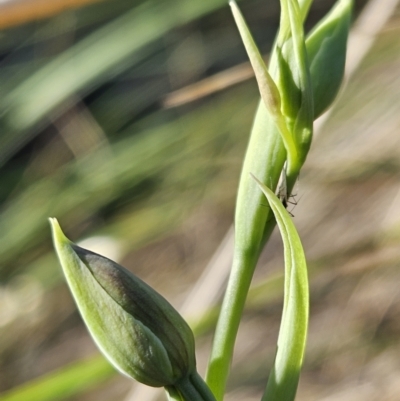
{"x": 326, "y": 47}
{"x": 298, "y": 61}
{"x": 268, "y": 90}
{"x": 304, "y": 7}
{"x": 290, "y": 69}
{"x": 283, "y": 380}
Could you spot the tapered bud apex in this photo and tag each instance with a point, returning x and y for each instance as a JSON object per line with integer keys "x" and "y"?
{"x": 139, "y": 331}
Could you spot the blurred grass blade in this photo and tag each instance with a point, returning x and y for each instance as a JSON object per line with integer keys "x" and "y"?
{"x": 84, "y": 186}
{"x": 64, "y": 383}
{"x": 91, "y": 61}
{"x": 283, "y": 380}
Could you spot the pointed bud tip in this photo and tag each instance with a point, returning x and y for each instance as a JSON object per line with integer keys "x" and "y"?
{"x": 58, "y": 235}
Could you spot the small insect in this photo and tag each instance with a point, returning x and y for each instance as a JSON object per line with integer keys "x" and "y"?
{"x": 282, "y": 192}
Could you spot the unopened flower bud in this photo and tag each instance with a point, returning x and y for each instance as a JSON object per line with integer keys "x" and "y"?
{"x": 326, "y": 47}
{"x": 138, "y": 331}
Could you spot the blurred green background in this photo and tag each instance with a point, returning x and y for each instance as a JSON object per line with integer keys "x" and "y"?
{"x": 128, "y": 121}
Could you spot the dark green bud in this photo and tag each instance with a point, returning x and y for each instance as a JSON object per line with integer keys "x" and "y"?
{"x": 326, "y": 47}
{"x": 138, "y": 330}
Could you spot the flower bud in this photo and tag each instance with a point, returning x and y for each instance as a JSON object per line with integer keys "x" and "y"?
{"x": 289, "y": 64}
{"x": 138, "y": 331}
{"x": 326, "y": 47}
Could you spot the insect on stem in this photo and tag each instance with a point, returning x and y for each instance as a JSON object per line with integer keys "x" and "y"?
{"x": 282, "y": 192}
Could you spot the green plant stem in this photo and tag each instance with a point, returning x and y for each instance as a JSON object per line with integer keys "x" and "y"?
{"x": 244, "y": 264}
{"x": 265, "y": 158}
{"x": 243, "y": 267}
{"x": 202, "y": 387}
{"x": 231, "y": 311}
{"x": 192, "y": 388}
{"x": 291, "y": 177}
